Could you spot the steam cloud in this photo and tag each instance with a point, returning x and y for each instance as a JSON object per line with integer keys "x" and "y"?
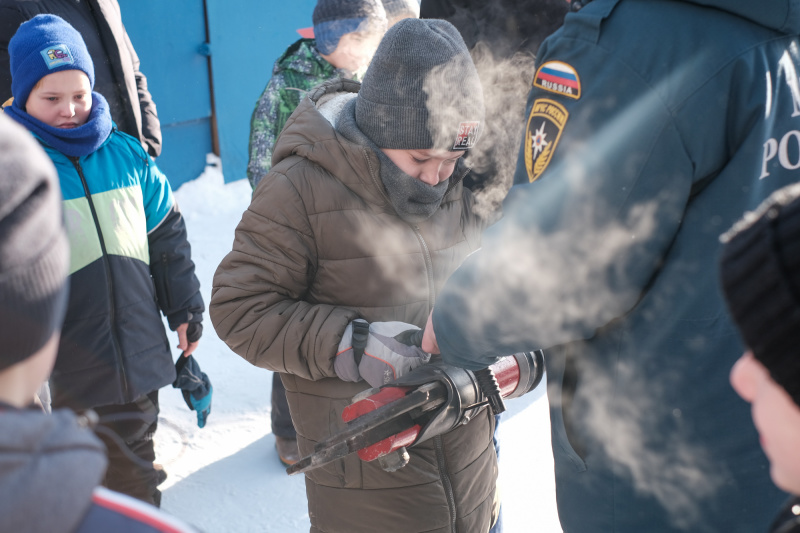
{"x": 583, "y": 269}
{"x": 580, "y": 272}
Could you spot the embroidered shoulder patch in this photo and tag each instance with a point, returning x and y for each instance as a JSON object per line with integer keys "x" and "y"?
{"x": 560, "y": 78}
{"x": 542, "y": 133}
{"x": 467, "y": 135}
{"x": 57, "y": 55}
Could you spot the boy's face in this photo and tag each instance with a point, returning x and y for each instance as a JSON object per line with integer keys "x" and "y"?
{"x": 354, "y": 51}
{"x": 62, "y": 99}
{"x": 776, "y": 417}
{"x": 428, "y": 166}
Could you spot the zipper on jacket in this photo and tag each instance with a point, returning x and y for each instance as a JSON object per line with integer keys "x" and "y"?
{"x": 426, "y": 253}
{"x": 107, "y": 265}
{"x": 165, "y": 266}
{"x": 425, "y": 250}
{"x": 445, "y": 477}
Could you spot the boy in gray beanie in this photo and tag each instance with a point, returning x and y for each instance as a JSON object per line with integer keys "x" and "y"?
{"x": 360, "y": 221}
{"x": 760, "y": 274}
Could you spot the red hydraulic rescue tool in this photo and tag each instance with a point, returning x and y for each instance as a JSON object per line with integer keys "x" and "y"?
{"x": 429, "y": 401}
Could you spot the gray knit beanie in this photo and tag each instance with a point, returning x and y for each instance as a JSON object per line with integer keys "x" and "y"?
{"x": 34, "y": 252}
{"x": 421, "y": 90}
{"x": 760, "y": 277}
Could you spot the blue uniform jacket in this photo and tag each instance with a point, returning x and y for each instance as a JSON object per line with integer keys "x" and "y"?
{"x": 651, "y": 127}
{"x": 129, "y": 258}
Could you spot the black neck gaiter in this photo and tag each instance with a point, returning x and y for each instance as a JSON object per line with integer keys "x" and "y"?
{"x": 413, "y": 200}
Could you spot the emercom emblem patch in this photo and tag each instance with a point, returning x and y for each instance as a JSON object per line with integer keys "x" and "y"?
{"x": 560, "y": 78}
{"x": 542, "y": 133}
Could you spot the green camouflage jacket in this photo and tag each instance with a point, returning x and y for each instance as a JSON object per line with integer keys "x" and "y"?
{"x": 298, "y": 70}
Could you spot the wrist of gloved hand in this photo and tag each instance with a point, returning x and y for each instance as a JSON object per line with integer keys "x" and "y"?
{"x": 385, "y": 357}
{"x": 194, "y": 331}
{"x": 345, "y": 363}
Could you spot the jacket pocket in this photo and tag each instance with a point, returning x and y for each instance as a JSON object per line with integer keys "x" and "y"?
{"x": 555, "y": 364}
{"x": 161, "y": 282}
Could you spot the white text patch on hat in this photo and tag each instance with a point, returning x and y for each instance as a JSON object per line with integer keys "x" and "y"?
{"x": 560, "y": 78}
{"x": 467, "y": 135}
{"x": 57, "y": 55}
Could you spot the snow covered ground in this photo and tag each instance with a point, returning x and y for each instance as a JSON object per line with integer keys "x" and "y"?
{"x": 226, "y": 477}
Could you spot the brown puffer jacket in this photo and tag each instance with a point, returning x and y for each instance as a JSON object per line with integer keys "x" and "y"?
{"x": 319, "y": 246}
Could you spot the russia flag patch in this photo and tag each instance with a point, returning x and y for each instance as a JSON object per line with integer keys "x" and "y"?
{"x": 560, "y": 78}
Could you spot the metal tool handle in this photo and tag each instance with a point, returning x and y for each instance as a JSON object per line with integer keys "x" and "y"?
{"x": 488, "y": 384}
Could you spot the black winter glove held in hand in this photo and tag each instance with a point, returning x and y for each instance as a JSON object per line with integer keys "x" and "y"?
{"x": 385, "y": 357}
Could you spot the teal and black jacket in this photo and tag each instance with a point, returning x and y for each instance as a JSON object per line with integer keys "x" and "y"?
{"x": 130, "y": 261}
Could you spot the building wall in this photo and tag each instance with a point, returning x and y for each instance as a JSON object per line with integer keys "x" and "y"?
{"x": 207, "y": 62}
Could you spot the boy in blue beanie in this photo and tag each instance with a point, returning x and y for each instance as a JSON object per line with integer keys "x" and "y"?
{"x": 130, "y": 257}
{"x": 346, "y": 34}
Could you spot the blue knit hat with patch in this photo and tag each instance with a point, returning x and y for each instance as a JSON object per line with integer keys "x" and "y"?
{"x": 335, "y": 18}
{"x": 44, "y": 45}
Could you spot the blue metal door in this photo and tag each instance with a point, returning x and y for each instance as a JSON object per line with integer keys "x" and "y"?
{"x": 169, "y": 39}
{"x": 247, "y": 36}
{"x": 174, "y": 40}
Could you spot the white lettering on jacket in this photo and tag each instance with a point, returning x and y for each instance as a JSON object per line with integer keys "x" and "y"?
{"x": 772, "y": 148}
{"x": 786, "y": 64}
{"x": 788, "y": 159}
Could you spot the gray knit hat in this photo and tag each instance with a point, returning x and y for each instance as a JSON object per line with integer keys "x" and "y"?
{"x": 34, "y": 252}
{"x": 760, "y": 276}
{"x": 421, "y": 90}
